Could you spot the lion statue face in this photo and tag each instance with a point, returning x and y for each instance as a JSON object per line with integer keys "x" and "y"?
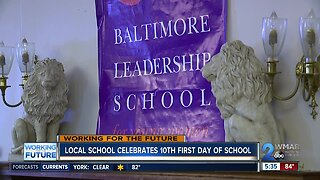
{"x": 45, "y": 93}
{"x": 236, "y": 73}
{"x": 50, "y": 75}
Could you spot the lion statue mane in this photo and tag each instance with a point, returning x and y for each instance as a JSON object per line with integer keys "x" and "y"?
{"x": 45, "y": 101}
{"x": 242, "y": 94}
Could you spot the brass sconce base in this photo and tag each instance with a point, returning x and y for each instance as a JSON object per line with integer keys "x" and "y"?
{"x": 308, "y": 74}
{"x": 272, "y": 68}
{"x": 311, "y": 83}
{"x": 3, "y": 87}
{"x": 3, "y": 84}
{"x": 3, "y": 81}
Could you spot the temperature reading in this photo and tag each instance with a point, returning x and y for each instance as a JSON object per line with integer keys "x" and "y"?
{"x": 288, "y": 166}
{"x": 135, "y": 167}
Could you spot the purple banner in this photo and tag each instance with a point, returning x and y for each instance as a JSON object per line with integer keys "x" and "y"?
{"x": 150, "y": 56}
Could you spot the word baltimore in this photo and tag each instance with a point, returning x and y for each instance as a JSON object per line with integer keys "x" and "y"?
{"x": 160, "y": 30}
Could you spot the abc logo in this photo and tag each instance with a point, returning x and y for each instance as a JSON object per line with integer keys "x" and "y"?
{"x": 268, "y": 149}
{"x": 278, "y": 155}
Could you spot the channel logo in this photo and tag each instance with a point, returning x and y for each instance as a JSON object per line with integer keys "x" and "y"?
{"x": 276, "y": 152}
{"x": 270, "y": 155}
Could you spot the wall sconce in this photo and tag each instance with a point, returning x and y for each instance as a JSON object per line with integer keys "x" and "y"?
{"x": 308, "y": 68}
{"x": 25, "y": 53}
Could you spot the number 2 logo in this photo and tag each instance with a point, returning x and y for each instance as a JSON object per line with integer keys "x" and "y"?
{"x": 268, "y": 149}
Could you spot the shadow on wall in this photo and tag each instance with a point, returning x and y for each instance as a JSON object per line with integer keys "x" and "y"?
{"x": 80, "y": 60}
{"x": 76, "y": 80}
{"x": 293, "y": 125}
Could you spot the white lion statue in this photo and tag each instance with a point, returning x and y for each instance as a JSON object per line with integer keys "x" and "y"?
{"x": 242, "y": 95}
{"x": 45, "y": 101}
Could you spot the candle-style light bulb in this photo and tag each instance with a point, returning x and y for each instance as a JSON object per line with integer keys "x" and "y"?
{"x": 309, "y": 27}
{"x": 311, "y": 14}
{"x": 2, "y": 59}
{"x": 6, "y": 58}
{"x": 25, "y": 54}
{"x": 273, "y": 35}
{"x": 311, "y": 37}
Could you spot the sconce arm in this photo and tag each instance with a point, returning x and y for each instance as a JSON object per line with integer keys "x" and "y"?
{"x": 5, "y": 101}
{"x": 294, "y": 92}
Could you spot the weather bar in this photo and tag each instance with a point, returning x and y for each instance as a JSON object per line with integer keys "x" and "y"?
{"x": 136, "y": 167}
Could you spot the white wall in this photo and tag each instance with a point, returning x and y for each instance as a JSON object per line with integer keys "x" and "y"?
{"x": 66, "y": 30}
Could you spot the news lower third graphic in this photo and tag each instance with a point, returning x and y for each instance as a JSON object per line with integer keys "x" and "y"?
{"x": 165, "y": 153}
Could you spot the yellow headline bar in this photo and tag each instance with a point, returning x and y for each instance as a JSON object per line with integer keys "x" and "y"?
{"x": 121, "y": 138}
